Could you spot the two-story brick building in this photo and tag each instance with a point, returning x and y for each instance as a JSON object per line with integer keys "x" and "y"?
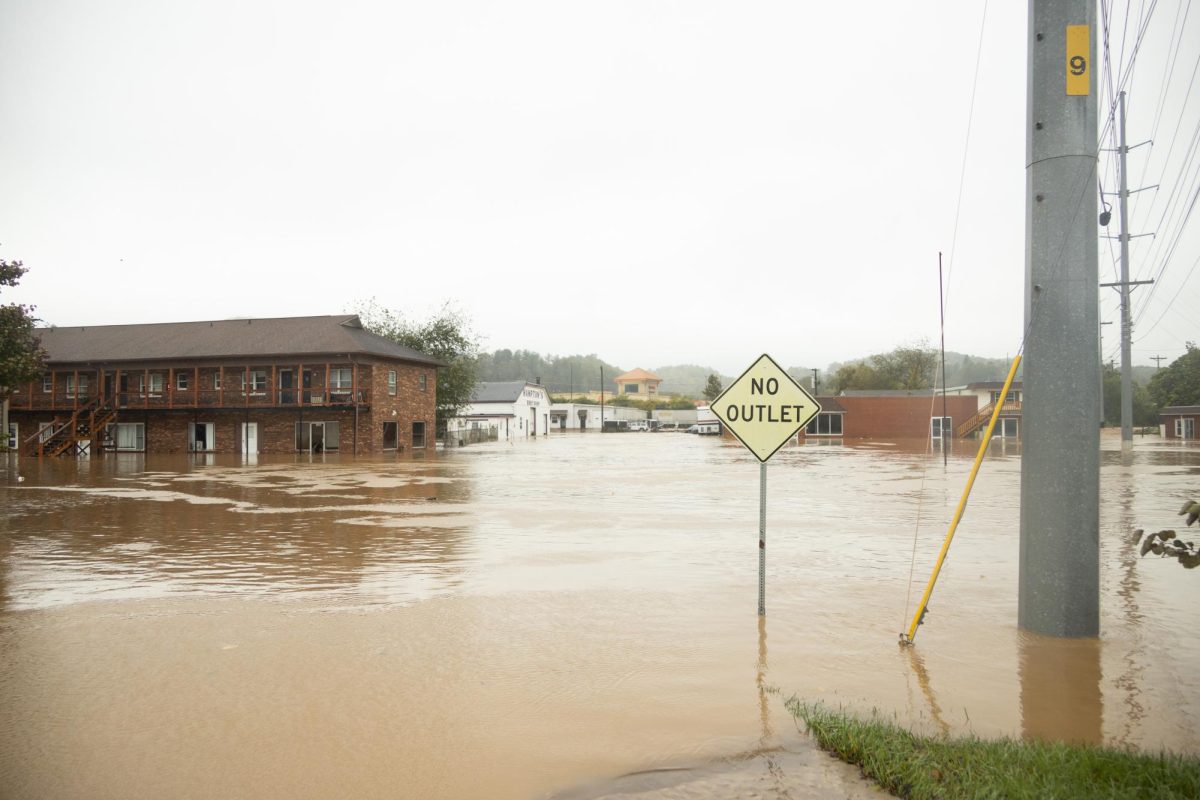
{"x": 285, "y": 385}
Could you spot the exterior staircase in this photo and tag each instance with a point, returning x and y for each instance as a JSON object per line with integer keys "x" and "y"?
{"x": 85, "y": 428}
{"x": 982, "y": 417}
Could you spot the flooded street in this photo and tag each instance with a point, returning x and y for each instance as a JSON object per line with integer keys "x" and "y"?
{"x": 541, "y": 619}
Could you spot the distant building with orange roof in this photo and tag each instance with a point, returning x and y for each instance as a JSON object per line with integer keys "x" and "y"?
{"x": 638, "y": 383}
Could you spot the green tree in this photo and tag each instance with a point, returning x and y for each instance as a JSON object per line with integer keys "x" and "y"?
{"x": 1145, "y": 413}
{"x": 857, "y": 375}
{"x": 906, "y": 367}
{"x": 22, "y": 358}
{"x": 712, "y": 388}
{"x": 445, "y": 336}
{"x": 1178, "y": 384}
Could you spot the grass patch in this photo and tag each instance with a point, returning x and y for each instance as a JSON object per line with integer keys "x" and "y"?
{"x": 919, "y": 767}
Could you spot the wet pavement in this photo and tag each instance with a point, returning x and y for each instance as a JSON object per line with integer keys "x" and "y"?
{"x": 570, "y": 617}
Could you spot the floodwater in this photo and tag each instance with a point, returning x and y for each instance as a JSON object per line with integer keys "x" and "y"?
{"x": 572, "y": 617}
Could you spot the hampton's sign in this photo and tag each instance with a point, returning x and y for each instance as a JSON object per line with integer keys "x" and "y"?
{"x": 765, "y": 407}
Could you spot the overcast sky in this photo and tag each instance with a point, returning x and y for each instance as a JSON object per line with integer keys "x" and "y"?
{"x": 655, "y": 182}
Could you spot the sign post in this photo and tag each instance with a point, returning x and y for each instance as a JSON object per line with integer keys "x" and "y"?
{"x": 764, "y": 408}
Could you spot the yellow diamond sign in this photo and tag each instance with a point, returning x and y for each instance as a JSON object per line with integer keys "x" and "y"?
{"x": 765, "y": 407}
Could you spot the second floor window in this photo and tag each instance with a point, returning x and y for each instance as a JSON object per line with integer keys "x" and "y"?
{"x": 341, "y": 378}
{"x": 156, "y": 383}
{"x": 258, "y": 380}
{"x": 391, "y": 381}
{"x": 47, "y": 383}
{"x": 181, "y": 381}
{"x": 83, "y": 386}
{"x": 421, "y": 381}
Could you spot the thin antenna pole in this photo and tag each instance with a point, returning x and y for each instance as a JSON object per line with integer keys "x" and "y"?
{"x": 942, "y": 312}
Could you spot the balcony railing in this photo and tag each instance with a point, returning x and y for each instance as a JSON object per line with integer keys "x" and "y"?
{"x": 265, "y": 397}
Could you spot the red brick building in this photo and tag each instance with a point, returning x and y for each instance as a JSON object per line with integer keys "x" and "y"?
{"x": 295, "y": 384}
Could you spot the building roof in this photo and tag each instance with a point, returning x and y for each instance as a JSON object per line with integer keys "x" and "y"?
{"x": 1180, "y": 410}
{"x": 997, "y": 385}
{"x": 637, "y": 374}
{"x": 230, "y": 338}
{"x": 500, "y": 391}
{"x": 888, "y": 392}
{"x": 830, "y": 405}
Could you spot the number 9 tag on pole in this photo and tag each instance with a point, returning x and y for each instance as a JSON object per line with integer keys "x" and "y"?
{"x": 1079, "y": 56}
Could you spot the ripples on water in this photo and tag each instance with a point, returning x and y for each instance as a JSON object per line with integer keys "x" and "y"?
{"x": 559, "y": 610}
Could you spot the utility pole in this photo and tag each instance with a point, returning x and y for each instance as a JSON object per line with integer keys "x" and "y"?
{"x": 1059, "y": 583}
{"x": 1126, "y": 320}
{"x": 1158, "y": 361}
{"x": 816, "y": 383}
{"x": 1123, "y": 286}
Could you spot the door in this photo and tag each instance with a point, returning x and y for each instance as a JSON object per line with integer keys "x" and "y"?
{"x": 249, "y": 438}
{"x": 1185, "y": 428}
{"x": 202, "y": 438}
{"x": 533, "y": 422}
{"x": 287, "y": 387}
{"x": 316, "y": 437}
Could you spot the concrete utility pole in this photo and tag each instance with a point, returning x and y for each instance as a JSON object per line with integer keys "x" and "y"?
{"x": 1059, "y": 592}
{"x": 1126, "y": 320}
{"x": 1123, "y": 286}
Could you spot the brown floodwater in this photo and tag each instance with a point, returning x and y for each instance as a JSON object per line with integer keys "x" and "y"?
{"x": 572, "y": 617}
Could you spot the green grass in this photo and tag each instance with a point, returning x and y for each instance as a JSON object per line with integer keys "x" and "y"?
{"x": 913, "y": 766}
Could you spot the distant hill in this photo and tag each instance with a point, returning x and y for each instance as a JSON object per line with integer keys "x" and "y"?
{"x": 581, "y": 373}
{"x": 560, "y": 374}
{"x": 687, "y": 379}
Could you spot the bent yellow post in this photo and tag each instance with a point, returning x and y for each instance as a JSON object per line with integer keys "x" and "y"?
{"x": 962, "y": 505}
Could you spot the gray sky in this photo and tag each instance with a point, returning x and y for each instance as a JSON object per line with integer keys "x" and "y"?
{"x": 658, "y": 183}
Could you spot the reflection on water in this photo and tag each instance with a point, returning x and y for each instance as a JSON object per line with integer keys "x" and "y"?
{"x": 1060, "y": 689}
{"x": 552, "y": 614}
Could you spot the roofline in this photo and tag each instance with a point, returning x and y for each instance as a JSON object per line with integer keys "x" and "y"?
{"x": 291, "y": 356}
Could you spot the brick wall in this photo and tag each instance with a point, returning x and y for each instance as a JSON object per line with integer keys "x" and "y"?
{"x": 408, "y": 405}
{"x": 900, "y": 417}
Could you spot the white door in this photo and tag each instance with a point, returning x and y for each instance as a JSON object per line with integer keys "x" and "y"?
{"x": 249, "y": 438}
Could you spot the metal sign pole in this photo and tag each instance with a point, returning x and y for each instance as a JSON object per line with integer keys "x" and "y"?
{"x": 762, "y": 539}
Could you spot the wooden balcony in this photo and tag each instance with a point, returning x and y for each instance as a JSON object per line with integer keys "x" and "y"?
{"x": 255, "y": 387}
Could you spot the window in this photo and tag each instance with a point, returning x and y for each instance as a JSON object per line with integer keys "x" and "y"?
{"x": 825, "y": 424}
{"x": 14, "y": 438}
{"x": 418, "y": 435}
{"x": 156, "y": 383}
{"x": 47, "y": 383}
{"x": 257, "y": 378}
{"x": 130, "y": 436}
{"x": 1011, "y": 397}
{"x": 631, "y": 388}
{"x": 421, "y": 381}
{"x": 217, "y": 380}
{"x": 181, "y": 381}
{"x": 341, "y": 378}
{"x": 389, "y": 435}
{"x": 391, "y": 382}
{"x": 83, "y": 385}
{"x": 941, "y": 427}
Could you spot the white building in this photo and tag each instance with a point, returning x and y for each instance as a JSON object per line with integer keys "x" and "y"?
{"x": 586, "y": 416}
{"x": 517, "y": 409}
